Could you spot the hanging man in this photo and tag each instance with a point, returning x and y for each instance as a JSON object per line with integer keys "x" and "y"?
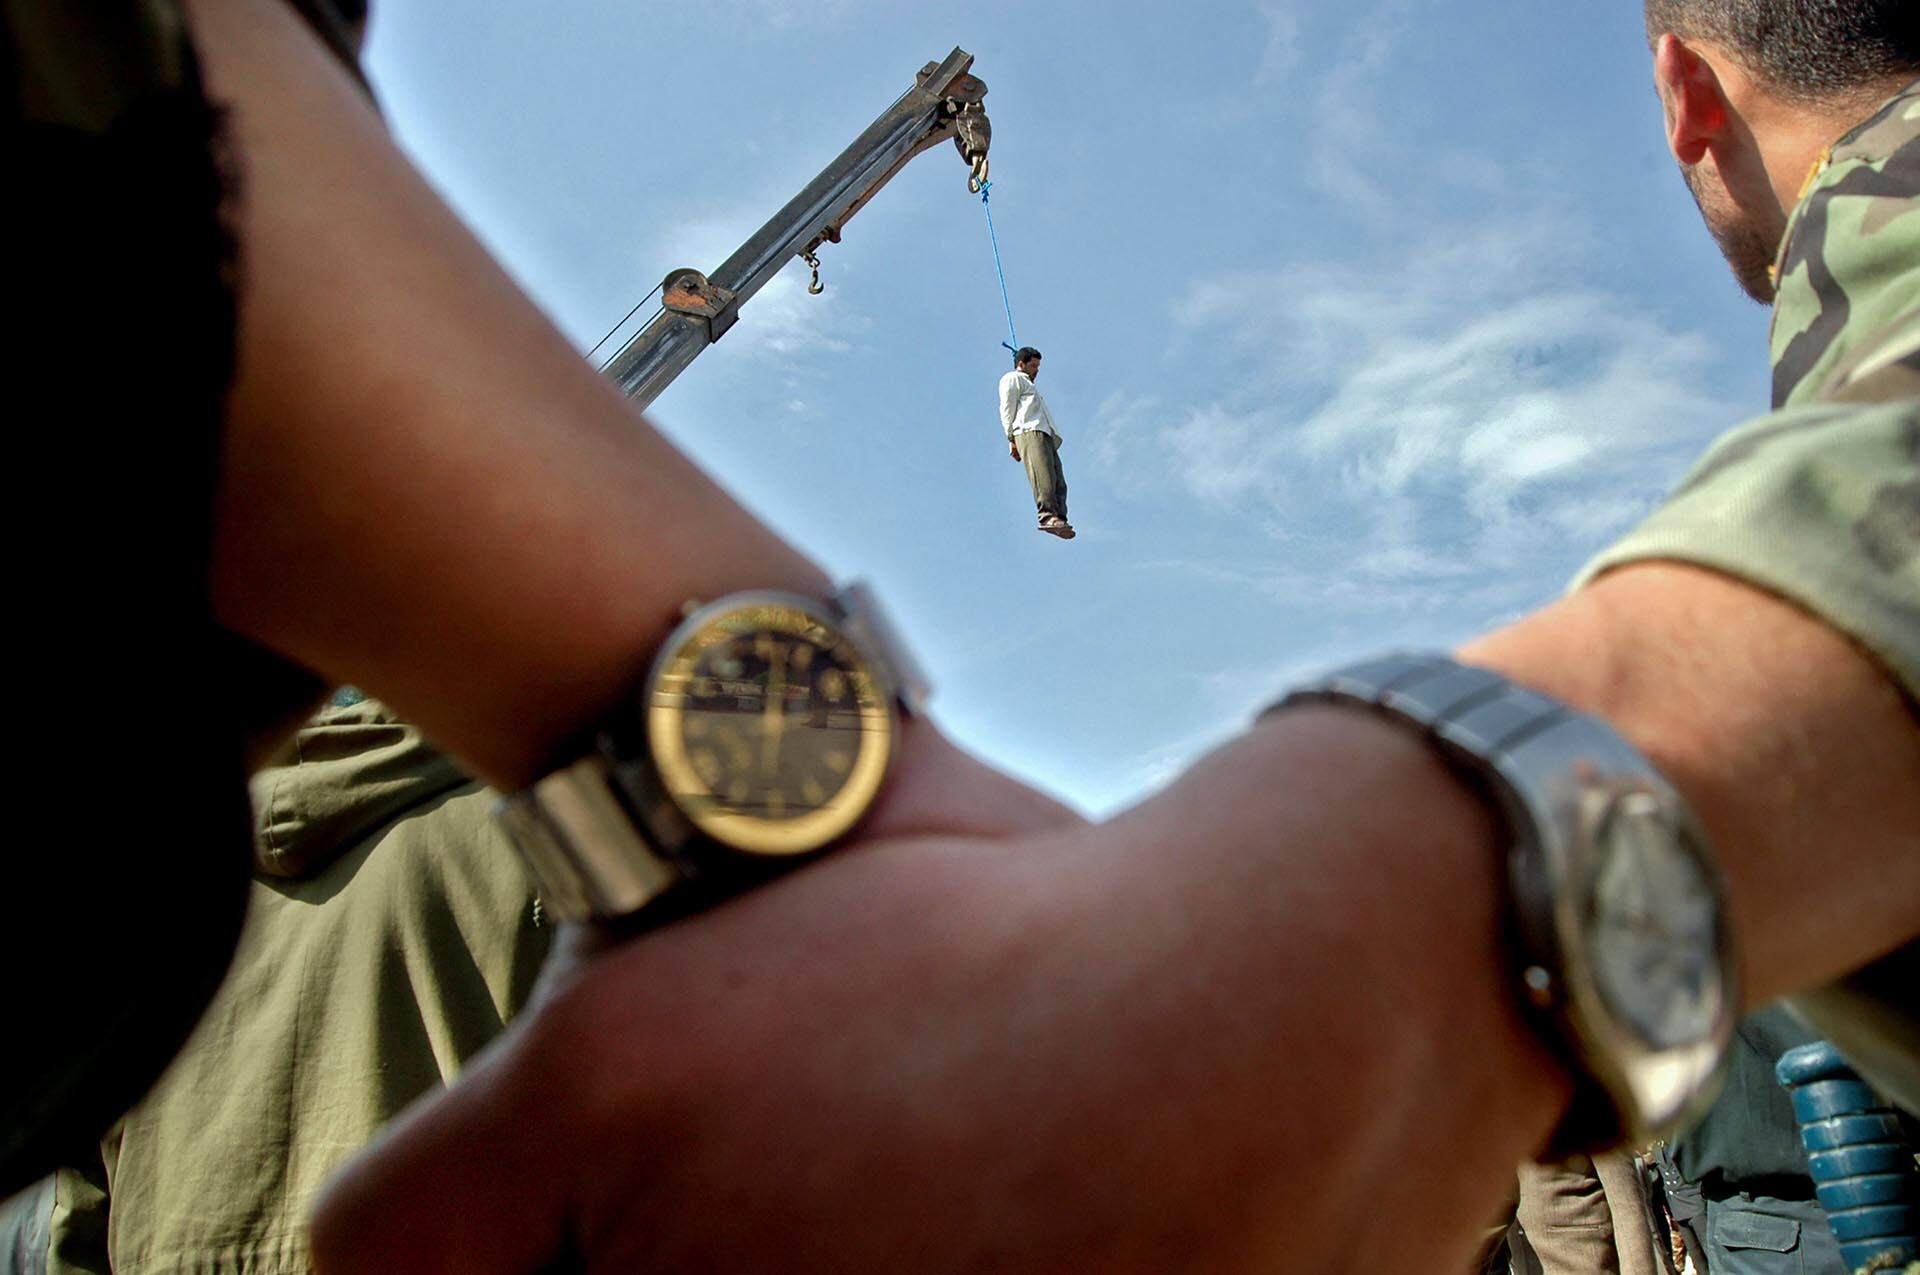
{"x": 1032, "y": 440}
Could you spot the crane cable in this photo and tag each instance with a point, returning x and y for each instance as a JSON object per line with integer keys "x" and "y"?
{"x": 616, "y": 327}
{"x": 1012, "y": 342}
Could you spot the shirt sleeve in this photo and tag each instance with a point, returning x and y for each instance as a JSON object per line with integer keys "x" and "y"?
{"x": 1819, "y": 504}
{"x": 1009, "y": 402}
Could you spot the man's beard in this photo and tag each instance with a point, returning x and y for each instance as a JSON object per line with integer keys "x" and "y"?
{"x": 1748, "y": 250}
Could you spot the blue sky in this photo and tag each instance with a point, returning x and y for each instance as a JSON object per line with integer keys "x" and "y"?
{"x": 1365, "y": 323}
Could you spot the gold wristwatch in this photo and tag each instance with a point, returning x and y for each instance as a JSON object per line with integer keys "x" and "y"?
{"x": 764, "y": 730}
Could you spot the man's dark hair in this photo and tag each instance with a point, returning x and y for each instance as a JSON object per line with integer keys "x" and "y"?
{"x": 1809, "y": 50}
{"x": 1024, "y": 353}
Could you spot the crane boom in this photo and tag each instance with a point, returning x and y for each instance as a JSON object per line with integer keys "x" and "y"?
{"x": 698, "y": 309}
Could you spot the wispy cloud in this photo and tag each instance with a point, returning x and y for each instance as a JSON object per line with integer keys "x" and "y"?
{"x": 1444, "y": 420}
{"x": 1139, "y": 777}
{"x": 792, "y": 327}
{"x": 1357, "y": 148}
{"x": 1281, "y": 51}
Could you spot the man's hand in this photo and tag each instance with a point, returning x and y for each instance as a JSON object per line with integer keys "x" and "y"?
{"x": 1069, "y": 1050}
{"x": 1013, "y": 449}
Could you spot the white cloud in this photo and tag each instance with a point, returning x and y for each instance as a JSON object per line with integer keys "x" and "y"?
{"x": 1355, "y": 145}
{"x": 1141, "y": 776}
{"x": 1440, "y": 419}
{"x": 1280, "y": 52}
{"x": 791, "y": 326}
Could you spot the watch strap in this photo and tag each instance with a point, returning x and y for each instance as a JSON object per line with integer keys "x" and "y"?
{"x": 575, "y": 832}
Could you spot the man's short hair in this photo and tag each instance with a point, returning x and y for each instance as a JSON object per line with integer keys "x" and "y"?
{"x": 1808, "y": 50}
{"x": 1024, "y": 353}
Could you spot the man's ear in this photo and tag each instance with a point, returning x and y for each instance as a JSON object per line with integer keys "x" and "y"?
{"x": 1698, "y": 113}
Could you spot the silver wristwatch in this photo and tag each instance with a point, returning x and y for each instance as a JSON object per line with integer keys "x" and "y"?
{"x": 1618, "y": 920}
{"x": 763, "y": 732}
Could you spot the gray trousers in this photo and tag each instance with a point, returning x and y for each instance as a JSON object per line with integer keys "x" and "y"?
{"x": 1041, "y": 455}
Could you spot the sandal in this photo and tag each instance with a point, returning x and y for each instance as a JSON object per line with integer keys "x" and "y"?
{"x": 1054, "y": 525}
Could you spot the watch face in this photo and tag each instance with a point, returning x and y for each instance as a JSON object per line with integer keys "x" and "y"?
{"x": 769, "y": 728}
{"x": 1652, "y": 925}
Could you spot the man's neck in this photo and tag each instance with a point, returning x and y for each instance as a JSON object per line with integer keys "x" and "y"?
{"x": 1794, "y": 136}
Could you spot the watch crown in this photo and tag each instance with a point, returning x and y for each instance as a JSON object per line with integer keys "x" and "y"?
{"x": 1539, "y": 984}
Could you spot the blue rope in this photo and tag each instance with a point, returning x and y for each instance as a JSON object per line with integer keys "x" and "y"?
{"x": 1013, "y": 341}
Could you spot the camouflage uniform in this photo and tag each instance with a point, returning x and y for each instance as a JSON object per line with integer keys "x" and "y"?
{"x": 393, "y": 933}
{"x": 1819, "y": 501}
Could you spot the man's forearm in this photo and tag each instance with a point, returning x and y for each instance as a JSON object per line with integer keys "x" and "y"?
{"x": 424, "y": 489}
{"x": 1797, "y": 750}
{"x": 1359, "y": 884}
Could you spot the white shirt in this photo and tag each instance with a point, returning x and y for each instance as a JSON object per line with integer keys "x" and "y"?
{"x": 1022, "y": 408}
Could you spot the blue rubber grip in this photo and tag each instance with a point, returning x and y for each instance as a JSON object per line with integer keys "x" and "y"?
{"x": 1857, "y": 1153}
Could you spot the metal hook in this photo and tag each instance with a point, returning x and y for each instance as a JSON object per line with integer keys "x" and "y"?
{"x": 978, "y": 177}
{"x": 814, "y": 288}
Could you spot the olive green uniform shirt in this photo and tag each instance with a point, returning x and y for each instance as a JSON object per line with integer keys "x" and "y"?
{"x": 393, "y": 932}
